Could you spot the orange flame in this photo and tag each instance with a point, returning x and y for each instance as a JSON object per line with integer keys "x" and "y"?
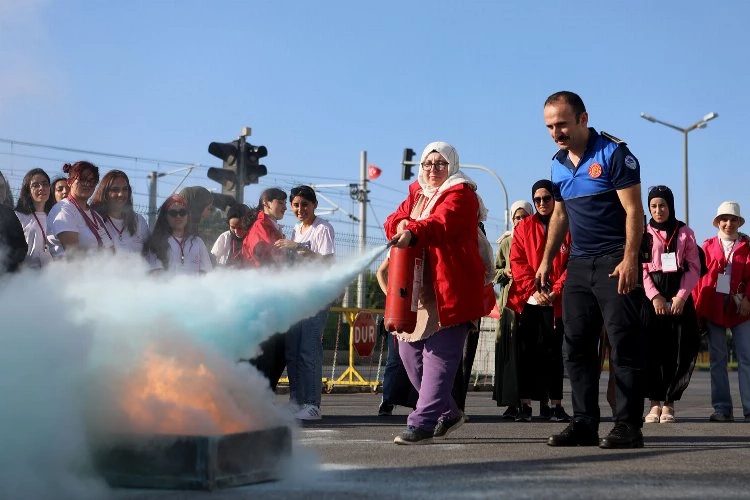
{"x": 169, "y": 396}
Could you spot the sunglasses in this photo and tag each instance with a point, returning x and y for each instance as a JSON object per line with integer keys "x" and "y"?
{"x": 177, "y": 213}
{"x": 658, "y": 188}
{"x": 542, "y": 199}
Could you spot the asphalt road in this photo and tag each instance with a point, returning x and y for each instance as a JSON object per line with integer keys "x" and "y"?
{"x": 351, "y": 454}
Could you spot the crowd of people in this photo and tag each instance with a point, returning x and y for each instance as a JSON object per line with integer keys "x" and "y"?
{"x": 80, "y": 214}
{"x": 582, "y": 271}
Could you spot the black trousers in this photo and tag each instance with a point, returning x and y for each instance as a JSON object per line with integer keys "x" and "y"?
{"x": 540, "y": 354}
{"x": 463, "y": 375}
{"x": 673, "y": 343}
{"x": 590, "y": 298}
{"x": 272, "y": 359}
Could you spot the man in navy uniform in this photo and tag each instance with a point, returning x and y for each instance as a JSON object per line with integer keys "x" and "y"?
{"x": 597, "y": 188}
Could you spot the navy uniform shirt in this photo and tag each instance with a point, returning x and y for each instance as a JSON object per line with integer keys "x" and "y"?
{"x": 595, "y": 214}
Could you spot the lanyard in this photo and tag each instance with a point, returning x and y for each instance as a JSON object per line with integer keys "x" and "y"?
{"x": 44, "y": 235}
{"x": 93, "y": 225}
{"x": 119, "y": 231}
{"x": 729, "y": 255}
{"x": 181, "y": 244}
{"x": 235, "y": 254}
{"x": 667, "y": 243}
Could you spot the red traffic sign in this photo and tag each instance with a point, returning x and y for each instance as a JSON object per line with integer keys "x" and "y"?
{"x": 365, "y": 333}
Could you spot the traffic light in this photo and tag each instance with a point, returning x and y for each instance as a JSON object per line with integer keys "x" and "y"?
{"x": 406, "y": 164}
{"x": 254, "y": 169}
{"x": 229, "y": 152}
{"x": 239, "y": 169}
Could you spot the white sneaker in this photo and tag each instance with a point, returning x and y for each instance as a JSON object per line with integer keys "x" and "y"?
{"x": 308, "y": 412}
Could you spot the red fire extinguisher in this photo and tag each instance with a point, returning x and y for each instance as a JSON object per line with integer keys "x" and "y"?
{"x": 404, "y": 287}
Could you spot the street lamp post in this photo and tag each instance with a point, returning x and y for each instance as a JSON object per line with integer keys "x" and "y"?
{"x": 702, "y": 123}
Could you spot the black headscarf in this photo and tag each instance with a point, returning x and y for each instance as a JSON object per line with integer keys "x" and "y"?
{"x": 542, "y": 184}
{"x": 671, "y": 224}
{"x": 666, "y": 283}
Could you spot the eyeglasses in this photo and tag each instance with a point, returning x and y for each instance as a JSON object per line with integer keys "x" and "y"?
{"x": 658, "y": 188}
{"x": 177, "y": 213}
{"x": 438, "y": 166}
{"x": 117, "y": 190}
{"x": 39, "y": 185}
{"x": 542, "y": 199}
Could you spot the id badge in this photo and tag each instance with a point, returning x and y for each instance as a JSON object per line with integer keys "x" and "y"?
{"x": 722, "y": 283}
{"x": 669, "y": 262}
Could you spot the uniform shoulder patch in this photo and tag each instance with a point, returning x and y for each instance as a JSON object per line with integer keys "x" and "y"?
{"x": 613, "y": 138}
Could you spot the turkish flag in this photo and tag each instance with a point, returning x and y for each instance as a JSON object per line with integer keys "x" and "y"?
{"x": 373, "y": 172}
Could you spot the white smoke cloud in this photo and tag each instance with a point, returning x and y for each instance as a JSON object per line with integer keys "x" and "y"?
{"x": 76, "y": 337}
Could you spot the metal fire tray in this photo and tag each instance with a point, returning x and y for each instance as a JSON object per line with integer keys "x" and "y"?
{"x": 192, "y": 462}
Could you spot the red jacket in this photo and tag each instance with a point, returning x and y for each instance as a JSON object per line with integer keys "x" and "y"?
{"x": 719, "y": 308}
{"x": 526, "y": 252}
{"x": 449, "y": 235}
{"x": 257, "y": 248}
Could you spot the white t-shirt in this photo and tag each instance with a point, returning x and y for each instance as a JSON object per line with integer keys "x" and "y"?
{"x": 38, "y": 254}
{"x": 192, "y": 258}
{"x": 320, "y": 236}
{"x": 65, "y": 216}
{"x": 124, "y": 241}
{"x": 223, "y": 248}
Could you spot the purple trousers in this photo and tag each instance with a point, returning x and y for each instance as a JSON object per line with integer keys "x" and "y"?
{"x": 431, "y": 365}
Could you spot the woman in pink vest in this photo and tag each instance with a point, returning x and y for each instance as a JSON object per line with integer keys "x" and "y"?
{"x": 668, "y": 280}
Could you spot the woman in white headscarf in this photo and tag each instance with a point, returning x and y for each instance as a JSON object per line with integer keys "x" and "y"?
{"x": 505, "y": 391}
{"x": 441, "y": 218}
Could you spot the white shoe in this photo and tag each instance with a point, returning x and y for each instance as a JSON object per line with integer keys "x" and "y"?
{"x": 653, "y": 415}
{"x": 308, "y": 412}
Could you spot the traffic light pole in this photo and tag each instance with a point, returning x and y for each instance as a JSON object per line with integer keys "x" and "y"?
{"x": 239, "y": 188}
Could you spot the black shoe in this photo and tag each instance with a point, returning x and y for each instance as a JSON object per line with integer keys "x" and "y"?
{"x": 575, "y": 434}
{"x": 717, "y": 416}
{"x": 413, "y": 435}
{"x": 545, "y": 412}
{"x": 524, "y": 413}
{"x": 446, "y": 426}
{"x": 385, "y": 410}
{"x": 559, "y": 415}
{"x": 623, "y": 435}
{"x": 510, "y": 413}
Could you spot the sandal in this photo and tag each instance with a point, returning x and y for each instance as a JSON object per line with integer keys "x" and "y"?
{"x": 654, "y": 415}
{"x": 667, "y": 415}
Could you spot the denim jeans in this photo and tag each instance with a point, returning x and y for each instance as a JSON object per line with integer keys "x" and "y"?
{"x": 721, "y": 399}
{"x": 304, "y": 359}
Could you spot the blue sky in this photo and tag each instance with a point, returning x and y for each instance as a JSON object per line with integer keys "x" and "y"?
{"x": 320, "y": 81}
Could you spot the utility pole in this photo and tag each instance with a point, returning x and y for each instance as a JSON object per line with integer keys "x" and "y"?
{"x": 361, "y": 281}
{"x": 152, "y": 198}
